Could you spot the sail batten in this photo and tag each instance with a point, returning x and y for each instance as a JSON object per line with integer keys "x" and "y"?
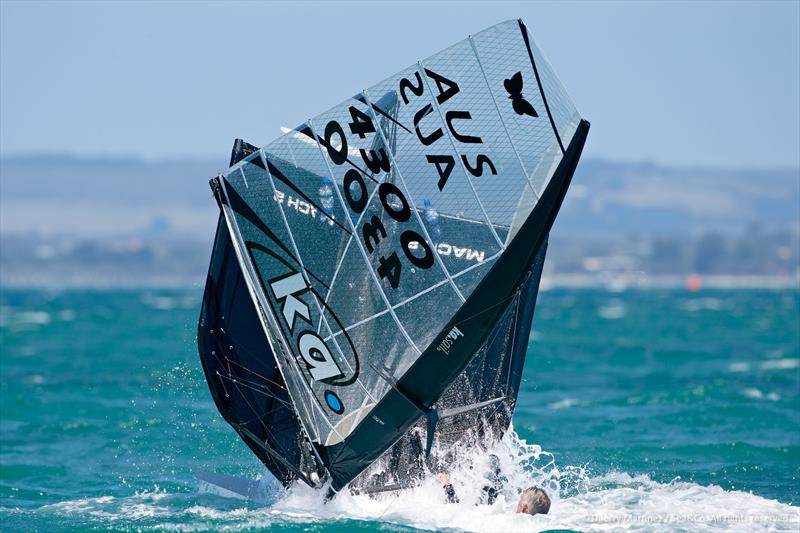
{"x": 502, "y": 120}
{"x": 258, "y": 295}
{"x": 323, "y": 321}
{"x": 460, "y": 160}
{"x": 363, "y": 251}
{"x": 414, "y": 208}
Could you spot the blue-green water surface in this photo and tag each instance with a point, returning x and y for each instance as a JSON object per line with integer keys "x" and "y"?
{"x": 666, "y": 399}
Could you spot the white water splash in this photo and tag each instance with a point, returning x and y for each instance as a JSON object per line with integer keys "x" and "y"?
{"x": 612, "y": 502}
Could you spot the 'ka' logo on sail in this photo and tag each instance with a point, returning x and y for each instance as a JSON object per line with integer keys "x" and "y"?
{"x": 312, "y": 349}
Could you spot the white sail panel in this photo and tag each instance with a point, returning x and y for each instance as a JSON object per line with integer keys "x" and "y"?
{"x": 503, "y": 53}
{"x": 429, "y": 160}
{"x": 562, "y": 109}
{"x": 382, "y": 215}
{"x": 485, "y": 146}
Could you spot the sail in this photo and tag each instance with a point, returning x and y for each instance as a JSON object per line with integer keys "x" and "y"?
{"x": 483, "y": 397}
{"x": 240, "y": 367}
{"x": 383, "y": 241}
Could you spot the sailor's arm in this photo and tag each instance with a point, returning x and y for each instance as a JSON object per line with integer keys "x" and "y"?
{"x": 449, "y": 491}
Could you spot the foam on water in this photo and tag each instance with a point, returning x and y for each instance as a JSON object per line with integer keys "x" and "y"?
{"x": 611, "y": 502}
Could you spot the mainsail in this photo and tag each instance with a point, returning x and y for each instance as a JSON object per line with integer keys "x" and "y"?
{"x": 378, "y": 265}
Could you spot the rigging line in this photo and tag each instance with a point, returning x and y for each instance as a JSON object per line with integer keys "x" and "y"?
{"x": 222, "y": 382}
{"x": 421, "y": 293}
{"x": 513, "y": 341}
{"x": 387, "y": 115}
{"x": 416, "y": 212}
{"x": 291, "y": 151}
{"x": 262, "y": 388}
{"x": 364, "y": 252}
{"x": 218, "y": 343}
{"x": 219, "y": 361}
{"x": 524, "y": 31}
{"x": 313, "y": 294}
{"x": 257, "y": 356}
{"x": 279, "y": 385}
{"x": 421, "y": 71}
{"x": 255, "y": 413}
{"x": 248, "y": 385}
{"x": 242, "y": 386}
{"x": 502, "y": 120}
{"x": 268, "y": 322}
{"x": 344, "y": 253}
{"x": 319, "y": 141}
{"x": 240, "y": 346}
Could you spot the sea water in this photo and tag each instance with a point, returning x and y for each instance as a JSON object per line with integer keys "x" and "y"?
{"x": 643, "y": 410}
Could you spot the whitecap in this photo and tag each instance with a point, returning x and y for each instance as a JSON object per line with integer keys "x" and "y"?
{"x": 780, "y": 364}
{"x": 36, "y": 318}
{"x": 566, "y": 403}
{"x": 162, "y": 303}
{"x": 753, "y": 393}
{"x": 759, "y": 395}
{"x": 612, "y": 311}
{"x": 67, "y": 315}
{"x": 611, "y": 502}
{"x": 739, "y": 367}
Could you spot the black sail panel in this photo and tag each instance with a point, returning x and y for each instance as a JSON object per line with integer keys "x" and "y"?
{"x": 496, "y": 369}
{"x": 240, "y": 367}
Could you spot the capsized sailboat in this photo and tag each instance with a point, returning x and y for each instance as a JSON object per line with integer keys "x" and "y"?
{"x": 375, "y": 269}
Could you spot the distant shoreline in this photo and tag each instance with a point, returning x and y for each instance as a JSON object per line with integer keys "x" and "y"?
{"x": 553, "y": 282}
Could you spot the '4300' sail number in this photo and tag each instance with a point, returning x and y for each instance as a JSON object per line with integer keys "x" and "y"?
{"x": 391, "y": 196}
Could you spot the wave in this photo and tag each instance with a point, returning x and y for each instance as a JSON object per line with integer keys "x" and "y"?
{"x": 610, "y": 502}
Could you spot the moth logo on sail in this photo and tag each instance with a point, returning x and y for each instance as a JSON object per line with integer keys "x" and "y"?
{"x": 449, "y": 340}
{"x": 520, "y": 105}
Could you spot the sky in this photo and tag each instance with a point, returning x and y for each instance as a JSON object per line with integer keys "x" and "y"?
{"x": 712, "y": 84}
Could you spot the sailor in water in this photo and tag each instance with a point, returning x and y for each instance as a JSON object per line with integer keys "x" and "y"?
{"x": 532, "y": 501}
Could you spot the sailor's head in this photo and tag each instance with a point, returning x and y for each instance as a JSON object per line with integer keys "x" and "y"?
{"x": 326, "y": 180}
{"x": 426, "y": 202}
{"x": 533, "y": 501}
